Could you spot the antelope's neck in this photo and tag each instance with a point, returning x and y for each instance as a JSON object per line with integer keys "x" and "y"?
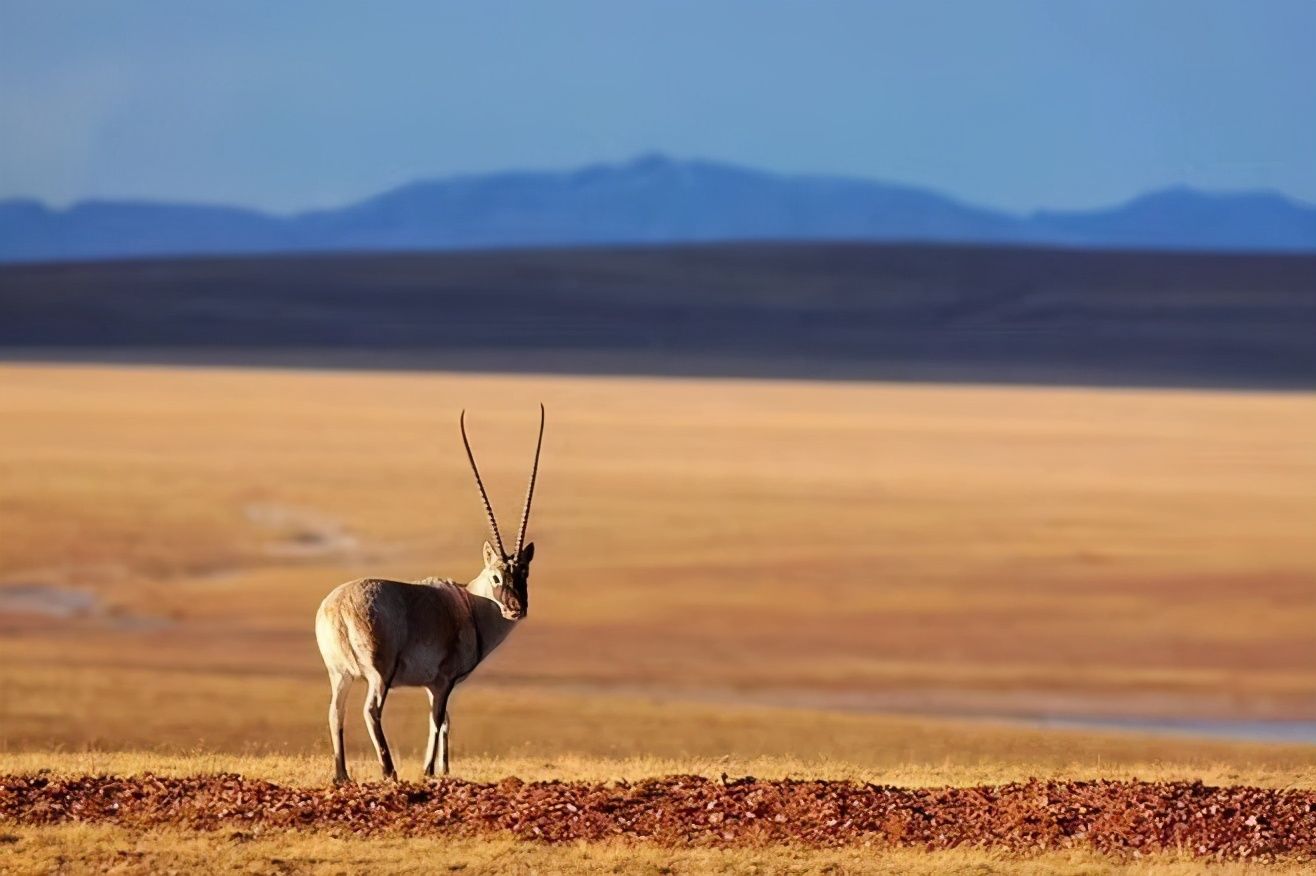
{"x": 488, "y": 618}
{"x": 490, "y": 623}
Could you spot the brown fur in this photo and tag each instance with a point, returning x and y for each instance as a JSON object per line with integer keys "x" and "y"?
{"x": 378, "y": 619}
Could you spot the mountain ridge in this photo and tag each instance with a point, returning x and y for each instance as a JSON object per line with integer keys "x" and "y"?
{"x": 652, "y": 199}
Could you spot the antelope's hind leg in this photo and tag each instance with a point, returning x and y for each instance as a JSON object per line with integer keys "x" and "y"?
{"x": 339, "y": 684}
{"x": 374, "y": 715}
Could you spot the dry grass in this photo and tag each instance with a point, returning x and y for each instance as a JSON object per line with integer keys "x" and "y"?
{"x": 100, "y": 848}
{"x": 201, "y": 719}
{"x": 1269, "y": 769}
{"x": 211, "y": 718}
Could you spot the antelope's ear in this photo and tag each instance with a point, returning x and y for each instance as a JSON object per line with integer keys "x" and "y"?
{"x": 528, "y": 553}
{"x": 491, "y": 557}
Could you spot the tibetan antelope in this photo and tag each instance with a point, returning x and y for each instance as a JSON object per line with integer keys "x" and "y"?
{"x": 430, "y": 634}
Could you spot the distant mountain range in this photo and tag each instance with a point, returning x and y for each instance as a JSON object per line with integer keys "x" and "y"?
{"x": 651, "y": 200}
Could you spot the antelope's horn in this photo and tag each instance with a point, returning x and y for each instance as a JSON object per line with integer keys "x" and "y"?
{"x": 484, "y": 496}
{"x": 530, "y": 490}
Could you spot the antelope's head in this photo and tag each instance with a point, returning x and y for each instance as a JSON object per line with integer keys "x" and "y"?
{"x": 506, "y": 576}
{"x": 507, "y": 579}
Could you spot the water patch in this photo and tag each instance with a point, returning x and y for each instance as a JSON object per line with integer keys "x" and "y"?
{"x": 1234, "y": 729}
{"x": 48, "y": 601}
{"x": 69, "y": 604}
{"x": 302, "y": 534}
{"x": 1293, "y": 731}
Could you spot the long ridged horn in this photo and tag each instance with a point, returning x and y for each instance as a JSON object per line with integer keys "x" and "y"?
{"x": 484, "y": 496}
{"x": 530, "y": 490}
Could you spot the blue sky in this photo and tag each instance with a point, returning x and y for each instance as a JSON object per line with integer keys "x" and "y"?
{"x": 290, "y": 105}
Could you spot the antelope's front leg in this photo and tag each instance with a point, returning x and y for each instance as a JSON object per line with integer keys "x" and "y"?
{"x": 443, "y": 743}
{"x": 438, "y": 741}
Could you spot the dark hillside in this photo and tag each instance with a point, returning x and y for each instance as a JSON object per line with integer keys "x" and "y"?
{"x": 860, "y": 311}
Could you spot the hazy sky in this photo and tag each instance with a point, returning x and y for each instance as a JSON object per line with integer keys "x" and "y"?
{"x": 287, "y": 105}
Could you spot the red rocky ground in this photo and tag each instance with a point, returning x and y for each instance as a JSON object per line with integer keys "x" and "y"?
{"x": 1118, "y": 818}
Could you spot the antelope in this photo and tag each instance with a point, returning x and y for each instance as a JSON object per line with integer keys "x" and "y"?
{"x": 430, "y": 633}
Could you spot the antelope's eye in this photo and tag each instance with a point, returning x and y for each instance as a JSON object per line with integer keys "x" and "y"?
{"x": 497, "y": 580}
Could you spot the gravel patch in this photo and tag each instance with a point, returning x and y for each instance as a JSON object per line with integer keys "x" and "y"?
{"x": 1122, "y": 819}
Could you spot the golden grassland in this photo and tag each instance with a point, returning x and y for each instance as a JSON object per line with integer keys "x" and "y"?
{"x": 103, "y": 848}
{"x": 733, "y": 576}
{"x": 920, "y": 548}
